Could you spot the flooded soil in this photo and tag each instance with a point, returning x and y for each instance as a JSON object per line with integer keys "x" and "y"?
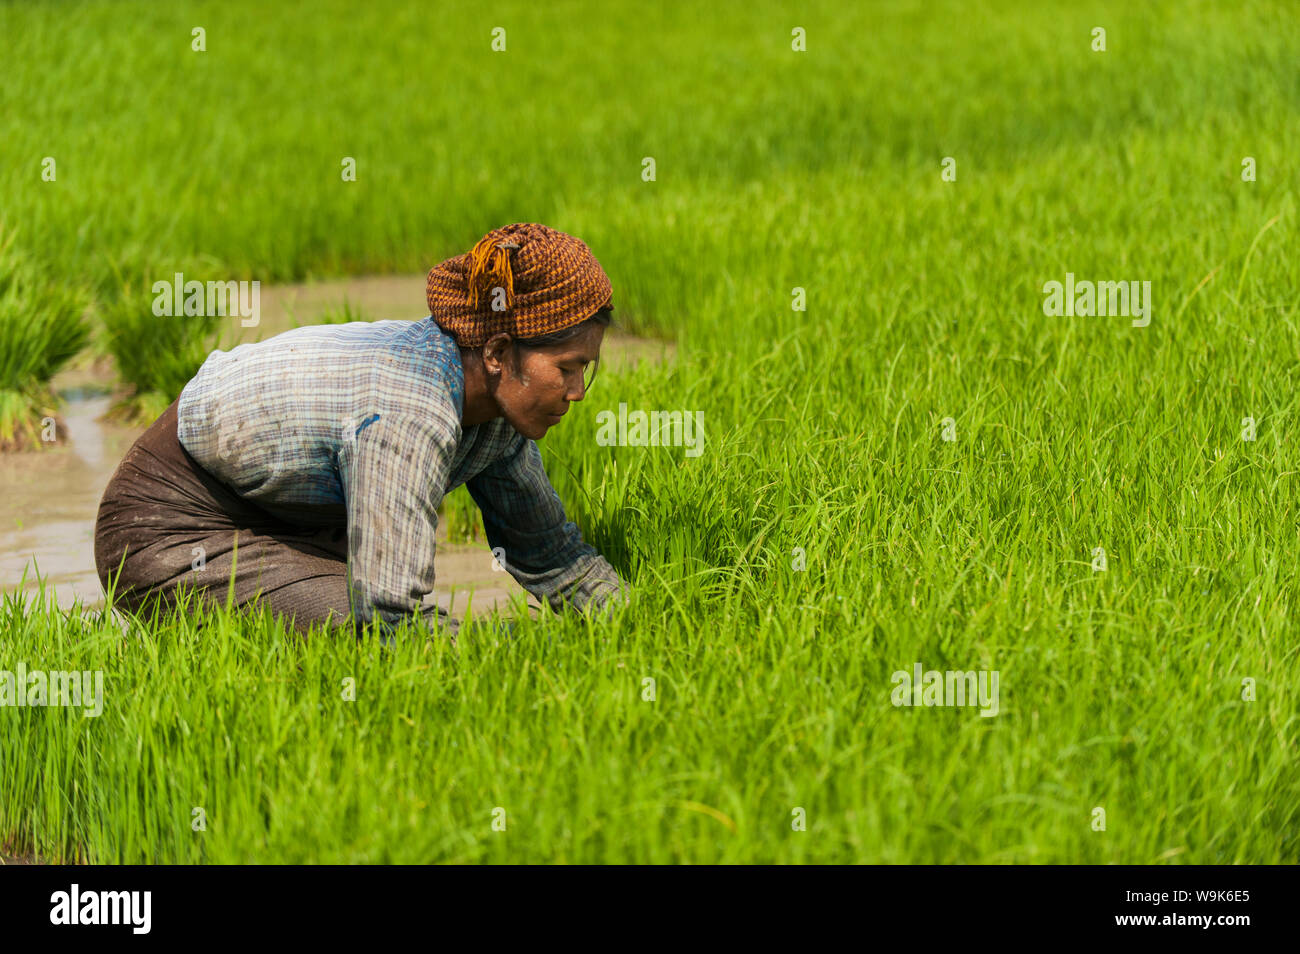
{"x": 52, "y": 495}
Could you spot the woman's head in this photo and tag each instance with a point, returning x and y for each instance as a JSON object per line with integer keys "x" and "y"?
{"x": 532, "y": 381}
{"x": 528, "y": 307}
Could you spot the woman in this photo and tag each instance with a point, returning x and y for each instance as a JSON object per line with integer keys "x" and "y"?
{"x": 313, "y": 463}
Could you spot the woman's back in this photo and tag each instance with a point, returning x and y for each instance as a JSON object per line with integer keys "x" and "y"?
{"x": 270, "y": 418}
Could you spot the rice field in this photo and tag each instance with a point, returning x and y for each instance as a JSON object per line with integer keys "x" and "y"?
{"x": 912, "y": 457}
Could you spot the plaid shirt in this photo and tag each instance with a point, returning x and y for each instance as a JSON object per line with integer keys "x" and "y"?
{"x": 360, "y": 423}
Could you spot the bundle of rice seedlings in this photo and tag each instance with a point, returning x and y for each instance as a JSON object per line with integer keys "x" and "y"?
{"x": 41, "y": 328}
{"x": 156, "y": 352}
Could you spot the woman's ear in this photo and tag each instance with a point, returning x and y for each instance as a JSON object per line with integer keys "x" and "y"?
{"x": 493, "y": 353}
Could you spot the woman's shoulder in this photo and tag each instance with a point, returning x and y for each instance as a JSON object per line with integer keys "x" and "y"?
{"x": 396, "y": 364}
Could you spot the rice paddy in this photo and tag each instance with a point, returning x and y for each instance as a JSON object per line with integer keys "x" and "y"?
{"x": 912, "y": 460}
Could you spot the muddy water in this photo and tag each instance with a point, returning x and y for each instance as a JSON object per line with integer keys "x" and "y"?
{"x": 51, "y": 496}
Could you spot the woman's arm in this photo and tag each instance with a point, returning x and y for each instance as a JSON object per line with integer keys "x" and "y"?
{"x": 394, "y": 470}
{"x": 542, "y": 550}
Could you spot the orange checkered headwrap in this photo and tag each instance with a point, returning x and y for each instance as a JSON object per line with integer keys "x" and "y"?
{"x": 524, "y": 279}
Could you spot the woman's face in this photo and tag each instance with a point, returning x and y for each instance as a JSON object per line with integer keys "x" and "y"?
{"x": 535, "y": 387}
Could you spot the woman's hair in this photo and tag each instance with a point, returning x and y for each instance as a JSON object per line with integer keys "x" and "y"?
{"x": 603, "y": 317}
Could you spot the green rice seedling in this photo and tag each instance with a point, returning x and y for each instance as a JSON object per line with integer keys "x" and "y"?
{"x": 156, "y": 354}
{"x": 336, "y": 314}
{"x": 461, "y": 517}
{"x": 343, "y": 314}
{"x": 41, "y": 329}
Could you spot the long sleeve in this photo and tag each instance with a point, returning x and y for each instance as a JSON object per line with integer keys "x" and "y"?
{"x": 394, "y": 470}
{"x": 542, "y": 550}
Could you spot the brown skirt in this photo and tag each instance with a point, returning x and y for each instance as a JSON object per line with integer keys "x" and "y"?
{"x": 167, "y": 525}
